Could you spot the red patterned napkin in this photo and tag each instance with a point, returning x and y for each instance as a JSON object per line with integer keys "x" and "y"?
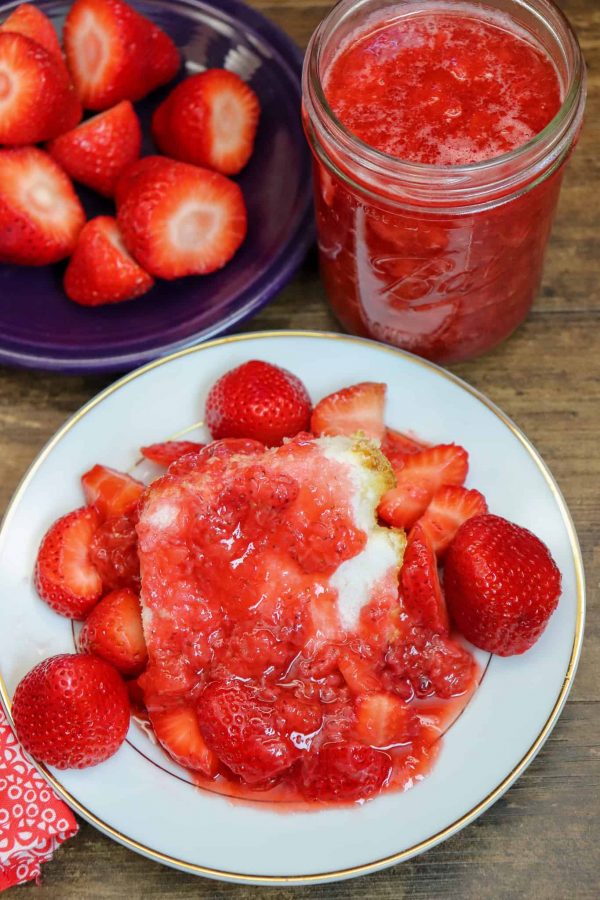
{"x": 33, "y": 821}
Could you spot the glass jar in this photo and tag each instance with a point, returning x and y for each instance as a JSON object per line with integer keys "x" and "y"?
{"x": 444, "y": 261}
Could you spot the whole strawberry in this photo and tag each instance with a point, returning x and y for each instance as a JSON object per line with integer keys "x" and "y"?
{"x": 260, "y": 401}
{"x": 501, "y": 585}
{"x": 71, "y": 711}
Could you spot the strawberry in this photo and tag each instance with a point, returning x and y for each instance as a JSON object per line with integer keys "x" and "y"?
{"x": 344, "y": 771}
{"x": 112, "y": 493}
{"x": 40, "y": 214}
{"x": 431, "y": 665}
{"x": 168, "y": 451}
{"x": 382, "y": 719}
{"x": 210, "y": 119}
{"x": 241, "y": 729}
{"x": 502, "y": 585}
{"x": 357, "y": 673}
{"x": 420, "y": 476}
{"x": 71, "y": 711}
{"x": 178, "y": 731}
{"x": 182, "y": 220}
{"x": 450, "y": 506}
{"x": 113, "y": 552}
{"x": 29, "y": 20}
{"x": 140, "y": 172}
{"x": 98, "y": 151}
{"x": 65, "y": 577}
{"x": 260, "y": 401}
{"x": 101, "y": 270}
{"x": 113, "y": 631}
{"x": 37, "y": 100}
{"x": 356, "y": 408}
{"x": 397, "y": 446}
{"x": 420, "y": 584}
{"x": 115, "y": 54}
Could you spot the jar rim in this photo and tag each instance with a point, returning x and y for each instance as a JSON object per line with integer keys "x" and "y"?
{"x": 382, "y": 163}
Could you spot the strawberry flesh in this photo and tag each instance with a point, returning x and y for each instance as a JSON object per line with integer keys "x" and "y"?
{"x": 98, "y": 151}
{"x": 113, "y": 631}
{"x": 359, "y": 407}
{"x": 101, "y": 270}
{"x": 397, "y": 446}
{"x": 114, "y": 552}
{"x": 345, "y": 771}
{"x": 420, "y": 584}
{"x": 450, "y": 506}
{"x": 165, "y": 453}
{"x": 182, "y": 220}
{"x": 111, "y": 492}
{"x": 40, "y": 214}
{"x": 178, "y": 732}
{"x": 383, "y": 720}
{"x": 27, "y": 19}
{"x": 65, "y": 577}
{"x": 210, "y": 119}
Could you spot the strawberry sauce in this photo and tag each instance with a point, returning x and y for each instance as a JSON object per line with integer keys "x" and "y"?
{"x": 442, "y": 273}
{"x": 305, "y": 689}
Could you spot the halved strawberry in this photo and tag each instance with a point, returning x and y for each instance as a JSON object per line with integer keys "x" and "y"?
{"x": 210, "y": 119}
{"x": 65, "y": 577}
{"x": 356, "y": 408}
{"x": 450, "y": 506}
{"x": 40, "y": 214}
{"x": 397, "y": 446}
{"x": 98, "y": 151}
{"x": 140, "y": 171}
{"x": 182, "y": 220}
{"x": 101, "y": 270}
{"x": 168, "y": 451}
{"x": 114, "y": 53}
{"x": 420, "y": 587}
{"x": 357, "y": 673}
{"x": 419, "y": 477}
{"x": 37, "y": 100}
{"x": 382, "y": 719}
{"x": 27, "y": 19}
{"x": 178, "y": 731}
{"x": 112, "y": 493}
{"x": 113, "y": 631}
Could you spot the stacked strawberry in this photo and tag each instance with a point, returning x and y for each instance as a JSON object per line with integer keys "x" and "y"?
{"x": 177, "y": 214}
{"x": 499, "y": 589}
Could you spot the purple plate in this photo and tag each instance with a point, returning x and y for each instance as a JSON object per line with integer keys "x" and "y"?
{"x": 40, "y": 328}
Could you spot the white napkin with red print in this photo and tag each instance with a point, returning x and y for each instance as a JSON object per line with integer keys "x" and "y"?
{"x": 33, "y": 821}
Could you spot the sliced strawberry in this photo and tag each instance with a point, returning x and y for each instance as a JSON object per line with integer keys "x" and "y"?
{"x": 27, "y": 19}
{"x": 397, "y": 446}
{"x": 182, "y": 220}
{"x": 115, "y": 54}
{"x": 357, "y": 673}
{"x": 210, "y": 119}
{"x": 37, "y": 100}
{"x": 40, "y": 214}
{"x": 178, "y": 731}
{"x": 359, "y": 407}
{"x": 419, "y": 477}
{"x": 112, "y": 493}
{"x": 101, "y": 270}
{"x": 64, "y": 574}
{"x": 420, "y": 587}
{"x": 98, "y": 151}
{"x": 382, "y": 719}
{"x": 113, "y": 630}
{"x": 450, "y": 506}
{"x": 168, "y": 451}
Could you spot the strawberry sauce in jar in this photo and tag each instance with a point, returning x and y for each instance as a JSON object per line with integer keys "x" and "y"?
{"x": 439, "y": 132}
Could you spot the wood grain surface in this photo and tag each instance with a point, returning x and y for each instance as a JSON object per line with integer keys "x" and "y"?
{"x": 542, "y": 840}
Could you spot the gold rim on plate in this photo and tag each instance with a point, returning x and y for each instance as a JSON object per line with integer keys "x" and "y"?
{"x": 467, "y": 817}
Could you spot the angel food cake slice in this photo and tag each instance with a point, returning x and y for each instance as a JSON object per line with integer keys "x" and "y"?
{"x": 254, "y": 562}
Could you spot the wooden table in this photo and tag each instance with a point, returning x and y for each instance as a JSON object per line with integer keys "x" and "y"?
{"x": 542, "y": 840}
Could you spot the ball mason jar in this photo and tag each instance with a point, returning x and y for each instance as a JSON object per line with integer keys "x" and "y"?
{"x": 444, "y": 261}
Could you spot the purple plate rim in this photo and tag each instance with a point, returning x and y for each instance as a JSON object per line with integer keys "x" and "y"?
{"x": 277, "y": 275}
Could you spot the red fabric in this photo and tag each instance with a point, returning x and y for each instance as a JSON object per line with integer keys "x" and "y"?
{"x": 33, "y": 821}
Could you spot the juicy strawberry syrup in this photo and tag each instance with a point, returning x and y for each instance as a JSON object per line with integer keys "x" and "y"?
{"x": 237, "y": 552}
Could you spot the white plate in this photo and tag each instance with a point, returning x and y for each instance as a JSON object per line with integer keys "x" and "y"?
{"x": 141, "y": 800}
